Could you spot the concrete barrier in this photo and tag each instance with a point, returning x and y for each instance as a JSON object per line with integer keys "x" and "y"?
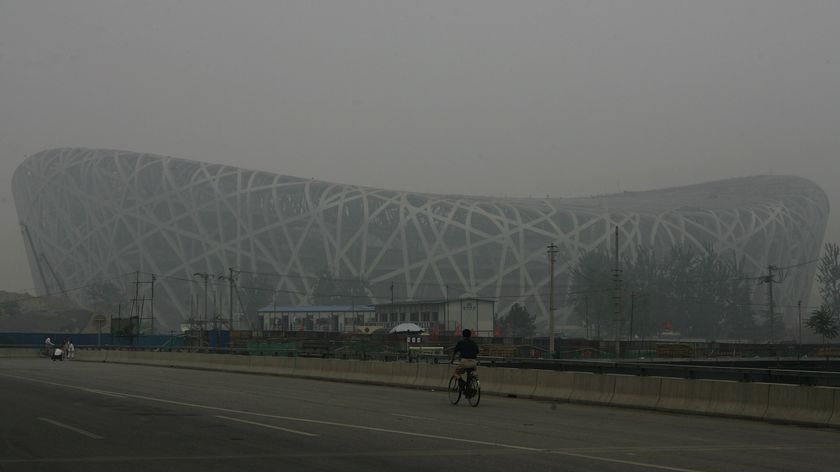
{"x": 266, "y": 365}
{"x": 404, "y": 374}
{"x": 335, "y": 369}
{"x": 835, "y": 416}
{"x": 237, "y": 363}
{"x": 20, "y": 352}
{"x": 592, "y": 388}
{"x": 553, "y": 385}
{"x": 354, "y": 371}
{"x": 673, "y": 395}
{"x": 378, "y": 371}
{"x": 193, "y": 360}
{"x": 772, "y": 402}
{"x": 433, "y": 376}
{"x": 635, "y": 391}
{"x": 519, "y": 383}
{"x": 738, "y": 399}
{"x": 492, "y": 379}
{"x": 308, "y": 367}
{"x": 148, "y": 358}
{"x": 800, "y": 404}
{"x": 88, "y": 355}
{"x": 127, "y": 357}
{"x": 271, "y": 365}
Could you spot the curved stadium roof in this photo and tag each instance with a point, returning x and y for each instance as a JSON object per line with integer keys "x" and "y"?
{"x": 90, "y": 215}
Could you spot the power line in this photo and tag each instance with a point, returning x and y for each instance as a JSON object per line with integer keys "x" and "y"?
{"x": 76, "y": 289}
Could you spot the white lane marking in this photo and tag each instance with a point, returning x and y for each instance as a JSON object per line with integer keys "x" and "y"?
{"x": 619, "y": 461}
{"x": 365, "y": 428}
{"x": 302, "y": 433}
{"x": 71, "y": 428}
{"x": 413, "y": 417}
{"x": 287, "y": 418}
{"x": 103, "y": 392}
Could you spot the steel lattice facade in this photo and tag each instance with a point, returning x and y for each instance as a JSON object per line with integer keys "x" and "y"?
{"x": 90, "y": 214}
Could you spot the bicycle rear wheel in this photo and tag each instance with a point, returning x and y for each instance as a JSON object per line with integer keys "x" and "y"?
{"x": 474, "y": 390}
{"x": 454, "y": 391}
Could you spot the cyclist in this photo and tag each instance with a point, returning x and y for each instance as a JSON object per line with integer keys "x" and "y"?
{"x": 468, "y": 350}
{"x": 48, "y": 346}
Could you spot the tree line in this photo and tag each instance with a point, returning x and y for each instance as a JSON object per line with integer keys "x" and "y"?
{"x": 698, "y": 294}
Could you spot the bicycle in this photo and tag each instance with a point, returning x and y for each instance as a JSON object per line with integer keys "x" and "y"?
{"x": 470, "y": 388}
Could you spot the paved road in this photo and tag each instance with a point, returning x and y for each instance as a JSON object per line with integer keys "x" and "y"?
{"x": 104, "y": 417}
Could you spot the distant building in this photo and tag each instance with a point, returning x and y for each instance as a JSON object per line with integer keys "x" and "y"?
{"x": 444, "y": 317}
{"x": 343, "y": 318}
{"x": 90, "y": 216}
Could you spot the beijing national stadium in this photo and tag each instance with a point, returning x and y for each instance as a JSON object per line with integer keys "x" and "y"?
{"x": 93, "y": 215}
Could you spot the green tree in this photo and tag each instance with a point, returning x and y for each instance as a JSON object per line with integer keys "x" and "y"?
{"x": 699, "y": 293}
{"x": 10, "y": 307}
{"x": 823, "y": 323}
{"x": 518, "y": 322}
{"x": 828, "y": 276}
{"x": 590, "y": 289}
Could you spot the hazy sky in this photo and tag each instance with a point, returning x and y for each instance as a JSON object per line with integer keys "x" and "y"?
{"x": 511, "y": 98}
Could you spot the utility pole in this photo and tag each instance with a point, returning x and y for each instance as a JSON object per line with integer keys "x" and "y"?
{"x": 232, "y": 281}
{"x": 632, "y": 305}
{"x": 152, "y": 319}
{"x": 617, "y": 299}
{"x": 586, "y": 304}
{"x": 231, "y": 278}
{"x": 597, "y": 326}
{"x": 446, "y": 312}
{"x": 205, "y": 276}
{"x": 771, "y": 308}
{"x": 138, "y": 303}
{"x": 134, "y": 306}
{"x": 799, "y": 310}
{"x": 392, "y": 293}
{"x": 552, "y": 257}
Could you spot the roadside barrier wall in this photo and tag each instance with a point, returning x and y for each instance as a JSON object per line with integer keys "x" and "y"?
{"x": 818, "y": 406}
{"x": 635, "y": 391}
{"x": 592, "y": 388}
{"x": 835, "y": 417}
{"x": 553, "y": 385}
{"x": 19, "y": 352}
{"x": 807, "y": 405}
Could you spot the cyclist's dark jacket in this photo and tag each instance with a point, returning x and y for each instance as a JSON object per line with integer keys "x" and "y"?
{"x": 468, "y": 348}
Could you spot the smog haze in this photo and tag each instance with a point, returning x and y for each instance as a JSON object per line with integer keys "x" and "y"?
{"x": 493, "y": 98}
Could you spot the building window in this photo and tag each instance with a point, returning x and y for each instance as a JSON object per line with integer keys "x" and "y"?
{"x": 435, "y": 316}
{"x": 424, "y": 316}
{"x": 415, "y": 316}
